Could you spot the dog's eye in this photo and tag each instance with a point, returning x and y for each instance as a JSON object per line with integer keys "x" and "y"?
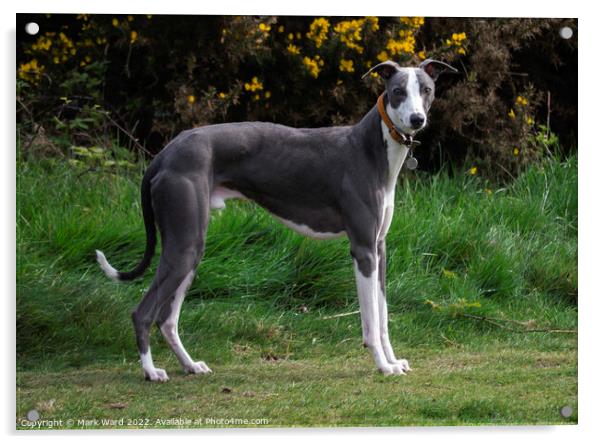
{"x": 398, "y": 92}
{"x": 427, "y": 90}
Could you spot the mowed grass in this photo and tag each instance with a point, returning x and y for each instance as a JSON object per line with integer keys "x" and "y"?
{"x": 447, "y": 387}
{"x": 459, "y": 250}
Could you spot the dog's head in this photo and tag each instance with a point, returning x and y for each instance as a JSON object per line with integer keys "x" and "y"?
{"x": 410, "y": 92}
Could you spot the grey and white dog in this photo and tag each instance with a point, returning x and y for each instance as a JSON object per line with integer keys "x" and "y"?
{"x": 322, "y": 182}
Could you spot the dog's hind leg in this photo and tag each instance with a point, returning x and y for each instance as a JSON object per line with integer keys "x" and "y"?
{"x": 181, "y": 208}
{"x": 168, "y": 323}
{"x": 142, "y": 318}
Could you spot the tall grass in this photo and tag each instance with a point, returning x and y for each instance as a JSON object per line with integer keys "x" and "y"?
{"x": 457, "y": 245}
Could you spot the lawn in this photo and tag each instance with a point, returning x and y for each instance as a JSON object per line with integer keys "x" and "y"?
{"x": 482, "y": 289}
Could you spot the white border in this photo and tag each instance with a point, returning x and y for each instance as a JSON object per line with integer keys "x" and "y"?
{"x": 589, "y": 203}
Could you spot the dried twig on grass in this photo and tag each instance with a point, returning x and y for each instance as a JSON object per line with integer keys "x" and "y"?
{"x": 340, "y": 315}
{"x": 499, "y": 323}
{"x": 128, "y": 134}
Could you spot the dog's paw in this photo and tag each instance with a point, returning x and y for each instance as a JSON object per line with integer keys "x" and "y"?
{"x": 156, "y": 375}
{"x": 198, "y": 368}
{"x": 391, "y": 369}
{"x": 403, "y": 363}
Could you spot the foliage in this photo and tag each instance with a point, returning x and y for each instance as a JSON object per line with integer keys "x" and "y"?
{"x": 157, "y": 75}
{"x": 495, "y": 113}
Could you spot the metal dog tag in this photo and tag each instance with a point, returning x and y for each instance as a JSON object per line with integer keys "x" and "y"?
{"x": 411, "y": 162}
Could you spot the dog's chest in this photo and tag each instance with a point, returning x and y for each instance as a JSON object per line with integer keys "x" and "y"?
{"x": 396, "y": 155}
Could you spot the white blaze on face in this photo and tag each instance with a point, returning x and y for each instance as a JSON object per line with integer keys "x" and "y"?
{"x": 413, "y": 103}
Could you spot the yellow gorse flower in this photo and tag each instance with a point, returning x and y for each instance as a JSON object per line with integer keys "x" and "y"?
{"x": 318, "y": 31}
{"x": 254, "y": 85}
{"x": 511, "y": 114}
{"x": 350, "y": 33}
{"x": 31, "y": 71}
{"x": 412, "y": 22}
{"x": 406, "y": 42}
{"x": 42, "y": 44}
{"x": 473, "y": 171}
{"x": 133, "y": 36}
{"x": 520, "y": 100}
{"x": 516, "y": 151}
{"x": 293, "y": 49}
{"x": 56, "y": 47}
{"x": 404, "y": 45}
{"x": 313, "y": 65}
{"x": 456, "y": 41}
{"x": 458, "y": 38}
{"x": 191, "y": 99}
{"x": 115, "y": 22}
{"x": 66, "y": 41}
{"x": 346, "y": 66}
{"x": 372, "y": 22}
{"x": 382, "y": 56}
{"x": 264, "y": 28}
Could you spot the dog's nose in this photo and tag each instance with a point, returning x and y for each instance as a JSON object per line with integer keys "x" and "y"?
{"x": 416, "y": 120}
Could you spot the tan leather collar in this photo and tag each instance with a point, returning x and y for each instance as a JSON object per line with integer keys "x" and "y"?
{"x": 396, "y": 135}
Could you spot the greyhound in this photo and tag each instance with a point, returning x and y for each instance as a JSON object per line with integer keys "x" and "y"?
{"x": 321, "y": 182}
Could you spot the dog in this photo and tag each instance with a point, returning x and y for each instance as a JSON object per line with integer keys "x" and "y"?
{"x": 321, "y": 182}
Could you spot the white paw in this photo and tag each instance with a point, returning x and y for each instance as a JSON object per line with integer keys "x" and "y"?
{"x": 198, "y": 367}
{"x": 398, "y": 369}
{"x": 403, "y": 363}
{"x": 156, "y": 375}
{"x": 390, "y": 369}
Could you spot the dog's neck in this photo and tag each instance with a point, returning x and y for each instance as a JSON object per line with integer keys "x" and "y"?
{"x": 390, "y": 154}
{"x": 396, "y": 156}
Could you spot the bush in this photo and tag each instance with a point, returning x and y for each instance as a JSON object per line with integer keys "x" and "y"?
{"x": 145, "y": 78}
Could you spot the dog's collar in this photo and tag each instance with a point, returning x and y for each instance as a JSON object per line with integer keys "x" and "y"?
{"x": 398, "y": 136}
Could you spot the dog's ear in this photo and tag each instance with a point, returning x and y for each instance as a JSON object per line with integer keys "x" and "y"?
{"x": 434, "y": 68}
{"x": 384, "y": 69}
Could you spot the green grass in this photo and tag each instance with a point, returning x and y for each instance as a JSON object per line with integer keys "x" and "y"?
{"x": 447, "y": 387}
{"x": 458, "y": 247}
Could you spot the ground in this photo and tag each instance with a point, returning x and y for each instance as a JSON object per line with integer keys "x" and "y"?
{"x": 453, "y": 386}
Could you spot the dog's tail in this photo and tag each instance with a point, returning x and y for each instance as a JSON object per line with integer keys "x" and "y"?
{"x": 151, "y": 240}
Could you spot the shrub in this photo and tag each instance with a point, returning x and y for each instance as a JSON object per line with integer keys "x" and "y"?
{"x": 153, "y": 76}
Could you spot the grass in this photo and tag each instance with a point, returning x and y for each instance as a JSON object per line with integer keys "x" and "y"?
{"x": 466, "y": 262}
{"x": 448, "y": 387}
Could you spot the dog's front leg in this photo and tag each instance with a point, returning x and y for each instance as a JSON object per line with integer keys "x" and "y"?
{"x": 383, "y": 311}
{"x": 366, "y": 277}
